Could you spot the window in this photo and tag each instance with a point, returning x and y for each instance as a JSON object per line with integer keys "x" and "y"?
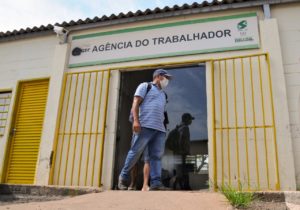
{"x": 5, "y": 99}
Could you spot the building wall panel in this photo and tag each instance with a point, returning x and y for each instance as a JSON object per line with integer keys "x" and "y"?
{"x": 23, "y": 60}
{"x": 288, "y": 17}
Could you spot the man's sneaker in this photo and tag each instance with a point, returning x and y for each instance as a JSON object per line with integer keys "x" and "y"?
{"x": 159, "y": 187}
{"x": 132, "y": 188}
{"x": 122, "y": 184}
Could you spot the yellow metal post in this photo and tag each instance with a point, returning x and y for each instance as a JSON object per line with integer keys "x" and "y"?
{"x": 245, "y": 123}
{"x": 83, "y": 129}
{"x": 264, "y": 119}
{"x": 227, "y": 123}
{"x": 213, "y": 126}
{"x": 70, "y": 132}
{"x": 97, "y": 124}
{"x": 76, "y": 130}
{"x": 236, "y": 130}
{"x": 273, "y": 121}
{"x": 221, "y": 120}
{"x": 254, "y": 123}
{"x": 91, "y": 127}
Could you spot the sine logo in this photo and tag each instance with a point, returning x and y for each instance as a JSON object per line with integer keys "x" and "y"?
{"x": 242, "y": 25}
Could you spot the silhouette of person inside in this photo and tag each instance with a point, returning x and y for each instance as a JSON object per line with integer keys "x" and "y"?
{"x": 181, "y": 177}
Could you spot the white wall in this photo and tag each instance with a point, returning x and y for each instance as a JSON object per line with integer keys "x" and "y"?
{"x": 288, "y": 17}
{"x": 51, "y": 114}
{"x": 25, "y": 59}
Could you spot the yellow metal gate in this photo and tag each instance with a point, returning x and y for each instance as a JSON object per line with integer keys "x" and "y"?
{"x": 244, "y": 134}
{"x": 78, "y": 151}
{"x": 26, "y": 132}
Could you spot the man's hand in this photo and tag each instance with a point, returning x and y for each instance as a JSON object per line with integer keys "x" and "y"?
{"x": 136, "y": 126}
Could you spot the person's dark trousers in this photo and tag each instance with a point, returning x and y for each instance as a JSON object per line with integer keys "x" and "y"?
{"x": 185, "y": 174}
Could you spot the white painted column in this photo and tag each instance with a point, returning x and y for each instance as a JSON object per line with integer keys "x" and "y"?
{"x": 271, "y": 43}
{"x": 51, "y": 115}
{"x": 110, "y": 131}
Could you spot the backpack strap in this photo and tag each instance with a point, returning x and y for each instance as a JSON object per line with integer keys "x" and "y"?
{"x": 166, "y": 95}
{"x": 149, "y": 86}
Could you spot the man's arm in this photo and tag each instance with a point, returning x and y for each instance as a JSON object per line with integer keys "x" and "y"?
{"x": 136, "y": 126}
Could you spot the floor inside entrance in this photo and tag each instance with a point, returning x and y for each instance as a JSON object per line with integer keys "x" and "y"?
{"x": 186, "y": 94}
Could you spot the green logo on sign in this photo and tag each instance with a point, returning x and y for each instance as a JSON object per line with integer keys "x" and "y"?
{"x": 242, "y": 25}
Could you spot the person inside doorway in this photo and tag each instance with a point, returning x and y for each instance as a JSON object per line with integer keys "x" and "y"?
{"x": 146, "y": 173}
{"x": 180, "y": 139}
{"x": 148, "y": 129}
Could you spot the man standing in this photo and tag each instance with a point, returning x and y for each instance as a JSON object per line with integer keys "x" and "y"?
{"x": 148, "y": 129}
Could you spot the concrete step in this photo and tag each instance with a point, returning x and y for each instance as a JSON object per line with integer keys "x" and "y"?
{"x": 279, "y": 196}
{"x": 292, "y": 197}
{"x": 36, "y": 190}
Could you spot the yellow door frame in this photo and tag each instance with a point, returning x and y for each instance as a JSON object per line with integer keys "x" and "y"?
{"x": 13, "y": 116}
{"x": 177, "y": 64}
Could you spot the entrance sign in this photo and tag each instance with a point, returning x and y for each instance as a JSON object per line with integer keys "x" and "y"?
{"x": 171, "y": 39}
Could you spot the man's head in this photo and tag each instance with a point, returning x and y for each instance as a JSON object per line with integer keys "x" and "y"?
{"x": 161, "y": 77}
{"x": 187, "y": 118}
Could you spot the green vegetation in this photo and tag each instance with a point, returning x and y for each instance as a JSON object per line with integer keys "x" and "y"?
{"x": 236, "y": 198}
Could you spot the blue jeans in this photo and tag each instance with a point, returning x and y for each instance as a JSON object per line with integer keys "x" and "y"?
{"x": 145, "y": 158}
{"x": 155, "y": 140}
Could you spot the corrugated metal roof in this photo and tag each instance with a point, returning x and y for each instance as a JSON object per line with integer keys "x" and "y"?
{"x": 114, "y": 17}
{"x": 49, "y": 28}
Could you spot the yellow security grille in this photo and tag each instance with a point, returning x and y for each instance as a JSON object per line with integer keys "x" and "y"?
{"x": 78, "y": 150}
{"x": 245, "y": 148}
{"x": 26, "y": 132}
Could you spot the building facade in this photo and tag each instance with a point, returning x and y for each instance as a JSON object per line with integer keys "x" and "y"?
{"x": 60, "y": 100}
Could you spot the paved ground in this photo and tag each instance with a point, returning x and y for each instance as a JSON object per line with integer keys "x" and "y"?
{"x": 123, "y": 200}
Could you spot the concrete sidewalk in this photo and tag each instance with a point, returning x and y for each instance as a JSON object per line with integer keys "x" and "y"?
{"x": 132, "y": 200}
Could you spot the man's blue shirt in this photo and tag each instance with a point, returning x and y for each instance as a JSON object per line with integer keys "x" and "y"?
{"x": 151, "y": 113}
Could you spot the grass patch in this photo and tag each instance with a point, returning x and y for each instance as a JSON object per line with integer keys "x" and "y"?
{"x": 236, "y": 198}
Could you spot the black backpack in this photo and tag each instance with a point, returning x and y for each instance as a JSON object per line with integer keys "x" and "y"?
{"x": 173, "y": 140}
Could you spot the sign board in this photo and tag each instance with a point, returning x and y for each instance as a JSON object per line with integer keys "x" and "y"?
{"x": 171, "y": 39}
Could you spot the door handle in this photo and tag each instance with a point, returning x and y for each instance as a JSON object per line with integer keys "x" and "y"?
{"x": 13, "y": 131}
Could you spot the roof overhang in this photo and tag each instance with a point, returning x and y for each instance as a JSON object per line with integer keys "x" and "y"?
{"x": 138, "y": 16}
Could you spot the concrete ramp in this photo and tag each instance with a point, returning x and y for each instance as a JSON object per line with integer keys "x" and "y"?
{"x": 133, "y": 200}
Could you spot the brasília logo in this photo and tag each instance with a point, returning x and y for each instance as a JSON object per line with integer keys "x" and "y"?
{"x": 242, "y": 25}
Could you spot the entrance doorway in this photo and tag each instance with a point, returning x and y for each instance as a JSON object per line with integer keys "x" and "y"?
{"x": 186, "y": 95}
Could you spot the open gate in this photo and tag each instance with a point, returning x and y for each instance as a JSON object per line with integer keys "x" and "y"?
{"x": 244, "y": 132}
{"x": 78, "y": 150}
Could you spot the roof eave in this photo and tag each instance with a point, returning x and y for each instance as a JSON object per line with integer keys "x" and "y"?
{"x": 81, "y": 25}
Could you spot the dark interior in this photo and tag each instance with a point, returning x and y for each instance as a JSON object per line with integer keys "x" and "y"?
{"x": 186, "y": 94}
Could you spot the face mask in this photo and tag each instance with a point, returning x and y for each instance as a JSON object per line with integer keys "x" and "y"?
{"x": 164, "y": 83}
